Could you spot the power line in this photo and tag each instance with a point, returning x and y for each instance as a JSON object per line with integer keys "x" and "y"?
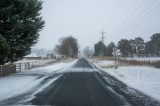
{"x": 145, "y": 20}
{"x": 131, "y": 14}
{"x": 119, "y": 11}
{"x": 152, "y": 13}
{"x": 152, "y": 10}
{"x": 143, "y": 12}
{"x": 139, "y": 15}
{"x": 114, "y": 14}
{"x": 149, "y": 11}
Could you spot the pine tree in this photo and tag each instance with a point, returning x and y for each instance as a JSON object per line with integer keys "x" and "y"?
{"x": 140, "y": 46}
{"x": 20, "y": 23}
{"x": 110, "y": 49}
{"x": 100, "y": 49}
{"x": 149, "y": 49}
{"x": 4, "y": 50}
{"x": 133, "y": 47}
{"x": 125, "y": 47}
{"x": 155, "y": 41}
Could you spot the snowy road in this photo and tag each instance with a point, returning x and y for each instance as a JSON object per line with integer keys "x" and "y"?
{"x": 81, "y": 84}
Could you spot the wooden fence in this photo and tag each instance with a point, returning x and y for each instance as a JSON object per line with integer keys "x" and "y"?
{"x": 7, "y": 69}
{"x": 137, "y": 62}
{"x": 133, "y": 61}
{"x": 22, "y": 66}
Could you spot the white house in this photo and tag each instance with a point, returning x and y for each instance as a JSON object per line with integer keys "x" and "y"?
{"x": 32, "y": 57}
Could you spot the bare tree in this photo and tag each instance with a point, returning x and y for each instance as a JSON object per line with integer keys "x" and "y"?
{"x": 68, "y": 46}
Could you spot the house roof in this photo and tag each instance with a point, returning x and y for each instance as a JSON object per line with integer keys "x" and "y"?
{"x": 31, "y": 55}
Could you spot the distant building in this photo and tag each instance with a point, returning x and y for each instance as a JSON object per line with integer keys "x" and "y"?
{"x": 43, "y": 57}
{"x": 58, "y": 56}
{"x": 55, "y": 56}
{"x": 32, "y": 57}
{"x": 50, "y": 56}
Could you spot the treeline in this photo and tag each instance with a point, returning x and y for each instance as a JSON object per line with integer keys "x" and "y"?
{"x": 20, "y": 23}
{"x": 102, "y": 50}
{"x": 132, "y": 47}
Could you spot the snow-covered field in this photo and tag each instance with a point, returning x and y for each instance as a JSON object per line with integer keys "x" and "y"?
{"x": 143, "y": 78}
{"x": 22, "y": 82}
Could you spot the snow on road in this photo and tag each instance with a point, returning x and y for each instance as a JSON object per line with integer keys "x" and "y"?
{"x": 22, "y": 82}
{"x": 143, "y": 78}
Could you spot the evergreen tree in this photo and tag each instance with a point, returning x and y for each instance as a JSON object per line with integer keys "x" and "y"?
{"x": 140, "y": 46}
{"x": 133, "y": 47}
{"x": 155, "y": 41}
{"x": 125, "y": 47}
{"x": 4, "y": 50}
{"x": 149, "y": 49}
{"x": 100, "y": 49}
{"x": 110, "y": 48}
{"x": 20, "y": 23}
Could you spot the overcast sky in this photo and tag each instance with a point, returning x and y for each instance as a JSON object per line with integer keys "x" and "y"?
{"x": 84, "y": 19}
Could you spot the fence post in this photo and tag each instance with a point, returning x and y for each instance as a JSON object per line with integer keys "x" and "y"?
{"x": 9, "y": 71}
{"x": 20, "y": 67}
{"x": 1, "y": 70}
{"x": 28, "y": 66}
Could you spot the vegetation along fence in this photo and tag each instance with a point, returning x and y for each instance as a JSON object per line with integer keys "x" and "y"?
{"x": 155, "y": 63}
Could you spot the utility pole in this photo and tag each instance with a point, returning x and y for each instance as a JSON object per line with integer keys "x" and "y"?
{"x": 103, "y": 37}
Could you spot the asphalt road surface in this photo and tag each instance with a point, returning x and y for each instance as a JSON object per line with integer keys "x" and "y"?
{"x": 84, "y": 85}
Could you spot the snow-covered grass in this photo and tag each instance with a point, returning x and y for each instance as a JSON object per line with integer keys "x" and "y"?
{"x": 22, "y": 82}
{"x": 143, "y": 78}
